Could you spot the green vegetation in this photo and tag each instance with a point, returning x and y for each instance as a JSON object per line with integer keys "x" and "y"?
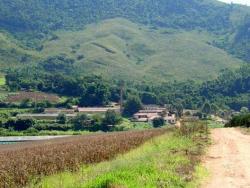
{"x": 242, "y": 120}
{"x": 2, "y": 80}
{"x": 168, "y": 161}
{"x": 158, "y": 122}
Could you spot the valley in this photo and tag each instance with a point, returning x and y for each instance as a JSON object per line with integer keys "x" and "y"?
{"x": 124, "y": 93}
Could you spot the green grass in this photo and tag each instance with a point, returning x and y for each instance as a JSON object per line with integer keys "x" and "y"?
{"x": 2, "y": 80}
{"x": 121, "y": 48}
{"x": 166, "y": 161}
{"x": 214, "y": 124}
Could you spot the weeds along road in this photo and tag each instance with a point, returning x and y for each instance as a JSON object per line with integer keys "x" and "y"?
{"x": 228, "y": 159}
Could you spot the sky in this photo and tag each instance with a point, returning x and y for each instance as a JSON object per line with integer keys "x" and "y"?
{"x": 244, "y": 2}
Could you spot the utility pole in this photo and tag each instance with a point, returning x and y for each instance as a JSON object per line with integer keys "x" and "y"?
{"x": 122, "y": 85}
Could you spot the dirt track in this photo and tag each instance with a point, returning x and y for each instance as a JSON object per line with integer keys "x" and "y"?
{"x": 228, "y": 160}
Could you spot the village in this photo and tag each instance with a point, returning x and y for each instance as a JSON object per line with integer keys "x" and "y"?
{"x": 146, "y": 115}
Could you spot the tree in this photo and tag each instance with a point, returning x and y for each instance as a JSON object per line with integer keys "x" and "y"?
{"x": 244, "y": 110}
{"x": 81, "y": 122}
{"x": 132, "y": 105}
{"x": 96, "y": 94}
{"x": 61, "y": 118}
{"x": 149, "y": 98}
{"x": 111, "y": 118}
{"x": 214, "y": 108}
{"x": 158, "y": 122}
{"x": 206, "y": 108}
{"x": 179, "y": 109}
{"x": 19, "y": 124}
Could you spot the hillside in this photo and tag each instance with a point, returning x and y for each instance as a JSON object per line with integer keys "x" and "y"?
{"x": 121, "y": 48}
{"x": 12, "y": 54}
{"x": 34, "y": 20}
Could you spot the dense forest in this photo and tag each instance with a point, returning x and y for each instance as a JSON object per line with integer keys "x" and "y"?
{"x": 230, "y": 90}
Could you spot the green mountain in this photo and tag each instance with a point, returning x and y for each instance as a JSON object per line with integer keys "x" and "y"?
{"x": 122, "y": 49}
{"x": 158, "y": 40}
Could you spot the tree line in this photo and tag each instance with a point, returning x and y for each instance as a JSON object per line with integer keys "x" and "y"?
{"x": 231, "y": 90}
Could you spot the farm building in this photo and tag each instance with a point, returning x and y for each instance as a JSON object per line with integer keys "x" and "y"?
{"x": 145, "y": 117}
{"x": 44, "y": 116}
{"x": 58, "y": 111}
{"x": 97, "y": 110}
{"x": 149, "y": 115}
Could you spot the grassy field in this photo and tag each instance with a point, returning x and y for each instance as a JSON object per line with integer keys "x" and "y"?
{"x": 121, "y": 48}
{"x": 171, "y": 160}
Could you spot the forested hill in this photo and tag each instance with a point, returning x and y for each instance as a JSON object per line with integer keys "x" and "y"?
{"x": 43, "y": 16}
{"x": 188, "y": 14}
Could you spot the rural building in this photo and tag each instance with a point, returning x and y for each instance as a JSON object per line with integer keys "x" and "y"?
{"x": 59, "y": 110}
{"x": 150, "y": 113}
{"x": 170, "y": 118}
{"x": 145, "y": 117}
{"x": 44, "y": 116}
{"x": 96, "y": 110}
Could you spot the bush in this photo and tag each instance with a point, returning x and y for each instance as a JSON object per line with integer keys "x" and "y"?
{"x": 240, "y": 121}
{"x": 61, "y": 118}
{"x": 19, "y": 124}
{"x": 53, "y": 127}
{"x": 81, "y": 122}
{"x": 158, "y": 122}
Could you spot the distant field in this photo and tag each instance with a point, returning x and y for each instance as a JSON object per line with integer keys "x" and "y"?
{"x": 33, "y": 96}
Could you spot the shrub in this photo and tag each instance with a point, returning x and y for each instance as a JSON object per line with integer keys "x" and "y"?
{"x": 61, "y": 118}
{"x": 240, "y": 120}
{"x": 81, "y": 122}
{"x": 158, "y": 122}
{"x": 19, "y": 124}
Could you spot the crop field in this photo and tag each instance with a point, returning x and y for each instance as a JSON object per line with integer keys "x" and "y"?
{"x": 170, "y": 160}
{"x": 33, "y": 96}
{"x": 22, "y": 162}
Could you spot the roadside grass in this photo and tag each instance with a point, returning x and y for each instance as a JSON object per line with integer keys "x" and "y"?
{"x": 245, "y": 130}
{"x": 129, "y": 125}
{"x": 170, "y": 160}
{"x": 214, "y": 124}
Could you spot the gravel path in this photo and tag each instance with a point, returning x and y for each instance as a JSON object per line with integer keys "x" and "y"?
{"x": 228, "y": 160}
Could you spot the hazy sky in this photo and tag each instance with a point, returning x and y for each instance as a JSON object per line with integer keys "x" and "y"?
{"x": 244, "y": 2}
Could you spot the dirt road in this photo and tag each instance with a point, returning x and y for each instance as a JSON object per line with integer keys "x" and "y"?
{"x": 228, "y": 160}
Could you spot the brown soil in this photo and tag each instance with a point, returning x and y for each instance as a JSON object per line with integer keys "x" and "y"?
{"x": 228, "y": 160}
